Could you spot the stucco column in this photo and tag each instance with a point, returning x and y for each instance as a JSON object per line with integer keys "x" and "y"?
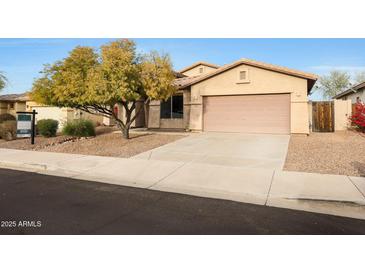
{"x": 154, "y": 114}
{"x": 299, "y": 120}
{"x": 196, "y": 110}
{"x": 187, "y": 105}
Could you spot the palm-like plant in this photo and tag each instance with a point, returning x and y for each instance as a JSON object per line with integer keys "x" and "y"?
{"x": 3, "y": 81}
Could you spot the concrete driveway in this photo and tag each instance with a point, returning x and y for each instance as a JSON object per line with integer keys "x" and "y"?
{"x": 227, "y": 149}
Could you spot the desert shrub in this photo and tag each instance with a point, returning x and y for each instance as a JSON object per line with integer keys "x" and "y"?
{"x": 79, "y": 128}
{"x": 47, "y": 127}
{"x": 7, "y": 117}
{"x": 8, "y": 130}
{"x": 358, "y": 118}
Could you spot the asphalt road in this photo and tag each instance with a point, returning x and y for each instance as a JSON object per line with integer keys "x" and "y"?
{"x": 31, "y": 203}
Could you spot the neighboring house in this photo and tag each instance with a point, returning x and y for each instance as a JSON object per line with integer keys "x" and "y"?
{"x": 62, "y": 115}
{"x": 355, "y": 94}
{"x": 11, "y": 103}
{"x": 245, "y": 96}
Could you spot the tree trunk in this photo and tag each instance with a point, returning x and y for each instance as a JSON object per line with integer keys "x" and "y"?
{"x": 126, "y": 132}
{"x": 146, "y": 108}
{"x": 146, "y": 112}
{"x": 124, "y": 129}
{"x": 129, "y": 119}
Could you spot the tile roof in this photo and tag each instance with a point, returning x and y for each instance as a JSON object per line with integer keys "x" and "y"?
{"x": 312, "y": 77}
{"x": 185, "y": 81}
{"x": 22, "y": 97}
{"x": 198, "y": 64}
{"x": 178, "y": 74}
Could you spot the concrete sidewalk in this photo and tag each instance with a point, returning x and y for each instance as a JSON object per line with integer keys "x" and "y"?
{"x": 330, "y": 194}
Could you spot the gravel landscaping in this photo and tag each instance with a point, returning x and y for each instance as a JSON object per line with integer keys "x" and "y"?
{"x": 40, "y": 143}
{"x": 108, "y": 142}
{"x": 112, "y": 144}
{"x": 330, "y": 153}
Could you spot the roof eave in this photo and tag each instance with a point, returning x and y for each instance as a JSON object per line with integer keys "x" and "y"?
{"x": 310, "y": 85}
{"x": 312, "y": 79}
{"x": 353, "y": 89}
{"x": 340, "y": 95}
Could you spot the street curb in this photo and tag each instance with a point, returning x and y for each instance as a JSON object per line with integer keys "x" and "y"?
{"x": 23, "y": 166}
{"x": 306, "y": 204}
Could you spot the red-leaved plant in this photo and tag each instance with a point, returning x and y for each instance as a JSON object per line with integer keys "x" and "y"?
{"x": 358, "y": 118}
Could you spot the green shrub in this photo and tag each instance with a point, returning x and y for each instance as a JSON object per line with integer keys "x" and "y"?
{"x": 47, "y": 127}
{"x": 7, "y": 117}
{"x": 79, "y": 128}
{"x": 8, "y": 130}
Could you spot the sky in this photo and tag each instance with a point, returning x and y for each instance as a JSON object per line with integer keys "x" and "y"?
{"x": 21, "y": 60}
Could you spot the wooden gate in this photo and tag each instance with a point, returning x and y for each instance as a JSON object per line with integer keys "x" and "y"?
{"x": 323, "y": 116}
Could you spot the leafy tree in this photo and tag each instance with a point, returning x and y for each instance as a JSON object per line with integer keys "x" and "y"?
{"x": 3, "y": 81}
{"x": 360, "y": 77}
{"x": 333, "y": 83}
{"x": 95, "y": 81}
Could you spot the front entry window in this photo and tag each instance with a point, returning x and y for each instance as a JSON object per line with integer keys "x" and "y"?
{"x": 173, "y": 107}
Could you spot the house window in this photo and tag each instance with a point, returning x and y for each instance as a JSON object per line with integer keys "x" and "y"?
{"x": 172, "y": 108}
{"x": 201, "y": 70}
{"x": 243, "y": 76}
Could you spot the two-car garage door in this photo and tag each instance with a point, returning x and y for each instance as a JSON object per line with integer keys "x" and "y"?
{"x": 265, "y": 113}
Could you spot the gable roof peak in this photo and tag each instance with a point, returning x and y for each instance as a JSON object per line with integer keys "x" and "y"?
{"x": 312, "y": 78}
{"x": 281, "y": 69}
{"x": 198, "y": 64}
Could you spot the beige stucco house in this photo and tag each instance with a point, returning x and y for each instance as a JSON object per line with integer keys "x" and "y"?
{"x": 245, "y": 96}
{"x": 62, "y": 115}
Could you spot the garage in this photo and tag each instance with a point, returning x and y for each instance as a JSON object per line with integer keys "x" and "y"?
{"x": 260, "y": 113}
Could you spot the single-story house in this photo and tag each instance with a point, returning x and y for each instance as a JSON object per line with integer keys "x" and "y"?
{"x": 245, "y": 96}
{"x": 355, "y": 94}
